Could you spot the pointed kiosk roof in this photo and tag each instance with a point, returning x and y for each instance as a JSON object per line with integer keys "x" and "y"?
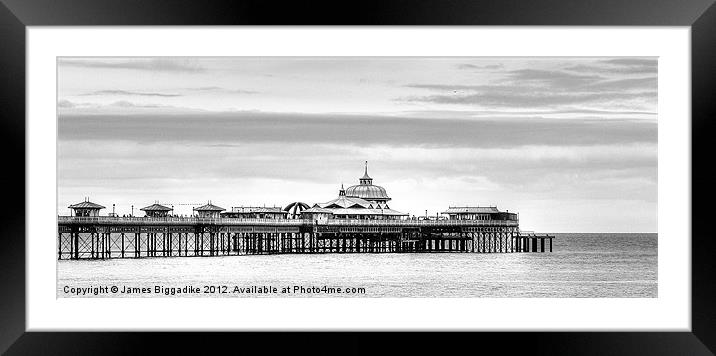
{"x": 156, "y": 207}
{"x": 209, "y": 207}
{"x": 86, "y": 205}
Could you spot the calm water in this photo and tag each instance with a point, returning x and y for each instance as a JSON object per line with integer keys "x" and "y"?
{"x": 582, "y": 265}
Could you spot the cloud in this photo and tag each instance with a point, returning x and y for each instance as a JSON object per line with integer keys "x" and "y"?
{"x": 554, "y": 79}
{"x": 215, "y": 89}
{"x": 621, "y": 85}
{"x": 64, "y": 103}
{"x": 287, "y": 129}
{"x": 183, "y": 65}
{"x": 600, "y": 112}
{"x": 332, "y": 163}
{"x": 120, "y": 108}
{"x": 565, "y": 112}
{"x": 619, "y": 66}
{"x": 129, "y": 93}
{"x": 68, "y": 105}
{"x": 469, "y": 66}
{"x": 633, "y": 62}
{"x": 528, "y": 80}
{"x": 451, "y": 87}
{"x": 129, "y": 104}
{"x": 539, "y": 89}
{"x": 514, "y": 100}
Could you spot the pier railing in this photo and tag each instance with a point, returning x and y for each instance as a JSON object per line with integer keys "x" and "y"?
{"x": 111, "y": 220}
{"x": 174, "y": 221}
{"x": 419, "y": 223}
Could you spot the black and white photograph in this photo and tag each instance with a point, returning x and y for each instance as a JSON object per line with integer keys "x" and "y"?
{"x": 187, "y": 175}
{"x": 357, "y": 177}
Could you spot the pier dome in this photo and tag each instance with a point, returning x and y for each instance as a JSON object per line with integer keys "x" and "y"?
{"x": 366, "y": 190}
{"x": 295, "y": 209}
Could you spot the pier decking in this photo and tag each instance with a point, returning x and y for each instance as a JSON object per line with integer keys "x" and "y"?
{"x": 101, "y": 237}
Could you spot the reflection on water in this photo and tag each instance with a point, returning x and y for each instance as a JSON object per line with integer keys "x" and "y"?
{"x": 582, "y": 265}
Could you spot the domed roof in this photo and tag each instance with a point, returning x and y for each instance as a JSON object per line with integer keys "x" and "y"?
{"x": 296, "y": 206}
{"x": 294, "y": 209}
{"x": 366, "y": 190}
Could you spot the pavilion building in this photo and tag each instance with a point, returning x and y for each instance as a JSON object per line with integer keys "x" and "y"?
{"x": 320, "y": 215}
{"x": 362, "y": 201}
{"x": 255, "y": 212}
{"x": 478, "y": 213}
{"x": 156, "y": 210}
{"x": 86, "y": 208}
{"x": 209, "y": 211}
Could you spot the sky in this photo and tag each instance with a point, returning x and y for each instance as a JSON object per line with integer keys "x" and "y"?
{"x": 568, "y": 143}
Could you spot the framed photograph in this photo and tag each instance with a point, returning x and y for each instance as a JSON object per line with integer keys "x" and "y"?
{"x": 469, "y": 167}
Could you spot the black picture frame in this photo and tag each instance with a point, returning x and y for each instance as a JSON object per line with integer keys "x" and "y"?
{"x": 16, "y": 15}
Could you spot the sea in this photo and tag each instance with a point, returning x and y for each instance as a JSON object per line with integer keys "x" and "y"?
{"x": 582, "y": 265}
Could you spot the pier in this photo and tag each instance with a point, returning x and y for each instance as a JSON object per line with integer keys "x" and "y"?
{"x": 108, "y": 237}
{"x": 359, "y": 220}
